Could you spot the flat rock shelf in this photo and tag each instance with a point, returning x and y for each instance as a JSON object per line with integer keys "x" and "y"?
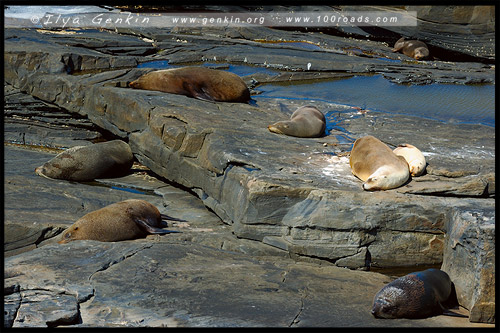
{"x": 262, "y": 195}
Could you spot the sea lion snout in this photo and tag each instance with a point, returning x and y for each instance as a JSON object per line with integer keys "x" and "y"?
{"x": 39, "y": 170}
{"x": 421, "y": 53}
{"x": 375, "y": 310}
{"x": 382, "y": 311}
{"x": 275, "y": 128}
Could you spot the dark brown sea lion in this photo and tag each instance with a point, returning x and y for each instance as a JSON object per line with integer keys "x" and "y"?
{"x": 416, "y": 295}
{"x": 84, "y": 163}
{"x": 198, "y": 82}
{"x": 123, "y": 220}
{"x": 412, "y": 48}
{"x": 306, "y": 122}
{"x": 375, "y": 163}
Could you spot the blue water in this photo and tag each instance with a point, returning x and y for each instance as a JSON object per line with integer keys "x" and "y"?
{"x": 126, "y": 189}
{"x": 158, "y": 64}
{"x": 473, "y": 104}
{"x": 243, "y": 70}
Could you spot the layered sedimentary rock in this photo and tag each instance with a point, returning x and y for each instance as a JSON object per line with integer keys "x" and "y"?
{"x": 297, "y": 195}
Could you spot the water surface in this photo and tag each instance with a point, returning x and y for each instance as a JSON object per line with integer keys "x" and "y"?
{"x": 458, "y": 103}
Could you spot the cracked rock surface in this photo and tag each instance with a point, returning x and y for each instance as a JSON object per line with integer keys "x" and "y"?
{"x": 204, "y": 276}
{"x": 266, "y": 194}
{"x": 168, "y": 282}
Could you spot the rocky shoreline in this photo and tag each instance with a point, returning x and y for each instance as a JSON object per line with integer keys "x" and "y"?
{"x": 308, "y": 211}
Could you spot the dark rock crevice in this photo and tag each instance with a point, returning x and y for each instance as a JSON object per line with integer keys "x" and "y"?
{"x": 303, "y": 295}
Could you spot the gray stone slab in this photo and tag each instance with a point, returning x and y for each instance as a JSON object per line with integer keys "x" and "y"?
{"x": 150, "y": 283}
{"x": 296, "y": 193}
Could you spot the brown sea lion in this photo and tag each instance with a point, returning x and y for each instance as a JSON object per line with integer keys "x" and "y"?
{"x": 373, "y": 162}
{"x": 84, "y": 163}
{"x": 198, "y": 82}
{"x": 414, "y": 158}
{"x": 416, "y": 295}
{"x": 306, "y": 122}
{"x": 123, "y": 220}
{"x": 412, "y": 48}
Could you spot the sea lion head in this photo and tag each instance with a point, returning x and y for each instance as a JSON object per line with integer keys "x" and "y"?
{"x": 420, "y": 53}
{"x": 384, "y": 178}
{"x": 389, "y": 302}
{"x": 138, "y": 84}
{"x": 42, "y": 171}
{"x": 150, "y": 81}
{"x": 71, "y": 234}
{"x": 405, "y": 297}
{"x": 282, "y": 127}
{"x": 416, "y": 167}
{"x": 414, "y": 158}
{"x": 374, "y": 183}
{"x": 60, "y": 167}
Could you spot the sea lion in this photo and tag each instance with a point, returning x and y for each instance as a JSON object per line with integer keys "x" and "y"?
{"x": 123, "y": 220}
{"x": 373, "y": 162}
{"x": 306, "y": 122}
{"x": 198, "y": 82}
{"x": 85, "y": 163}
{"x": 416, "y": 295}
{"x": 412, "y": 48}
{"x": 414, "y": 158}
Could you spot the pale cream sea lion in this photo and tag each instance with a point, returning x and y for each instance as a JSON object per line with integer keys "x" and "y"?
{"x": 414, "y": 158}
{"x": 376, "y": 165}
{"x": 84, "y": 163}
{"x": 416, "y": 295}
{"x": 123, "y": 220}
{"x": 412, "y": 48}
{"x": 198, "y": 82}
{"x": 306, "y": 122}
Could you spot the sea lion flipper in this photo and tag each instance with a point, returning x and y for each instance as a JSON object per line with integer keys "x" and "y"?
{"x": 150, "y": 229}
{"x": 201, "y": 93}
{"x": 398, "y": 46}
